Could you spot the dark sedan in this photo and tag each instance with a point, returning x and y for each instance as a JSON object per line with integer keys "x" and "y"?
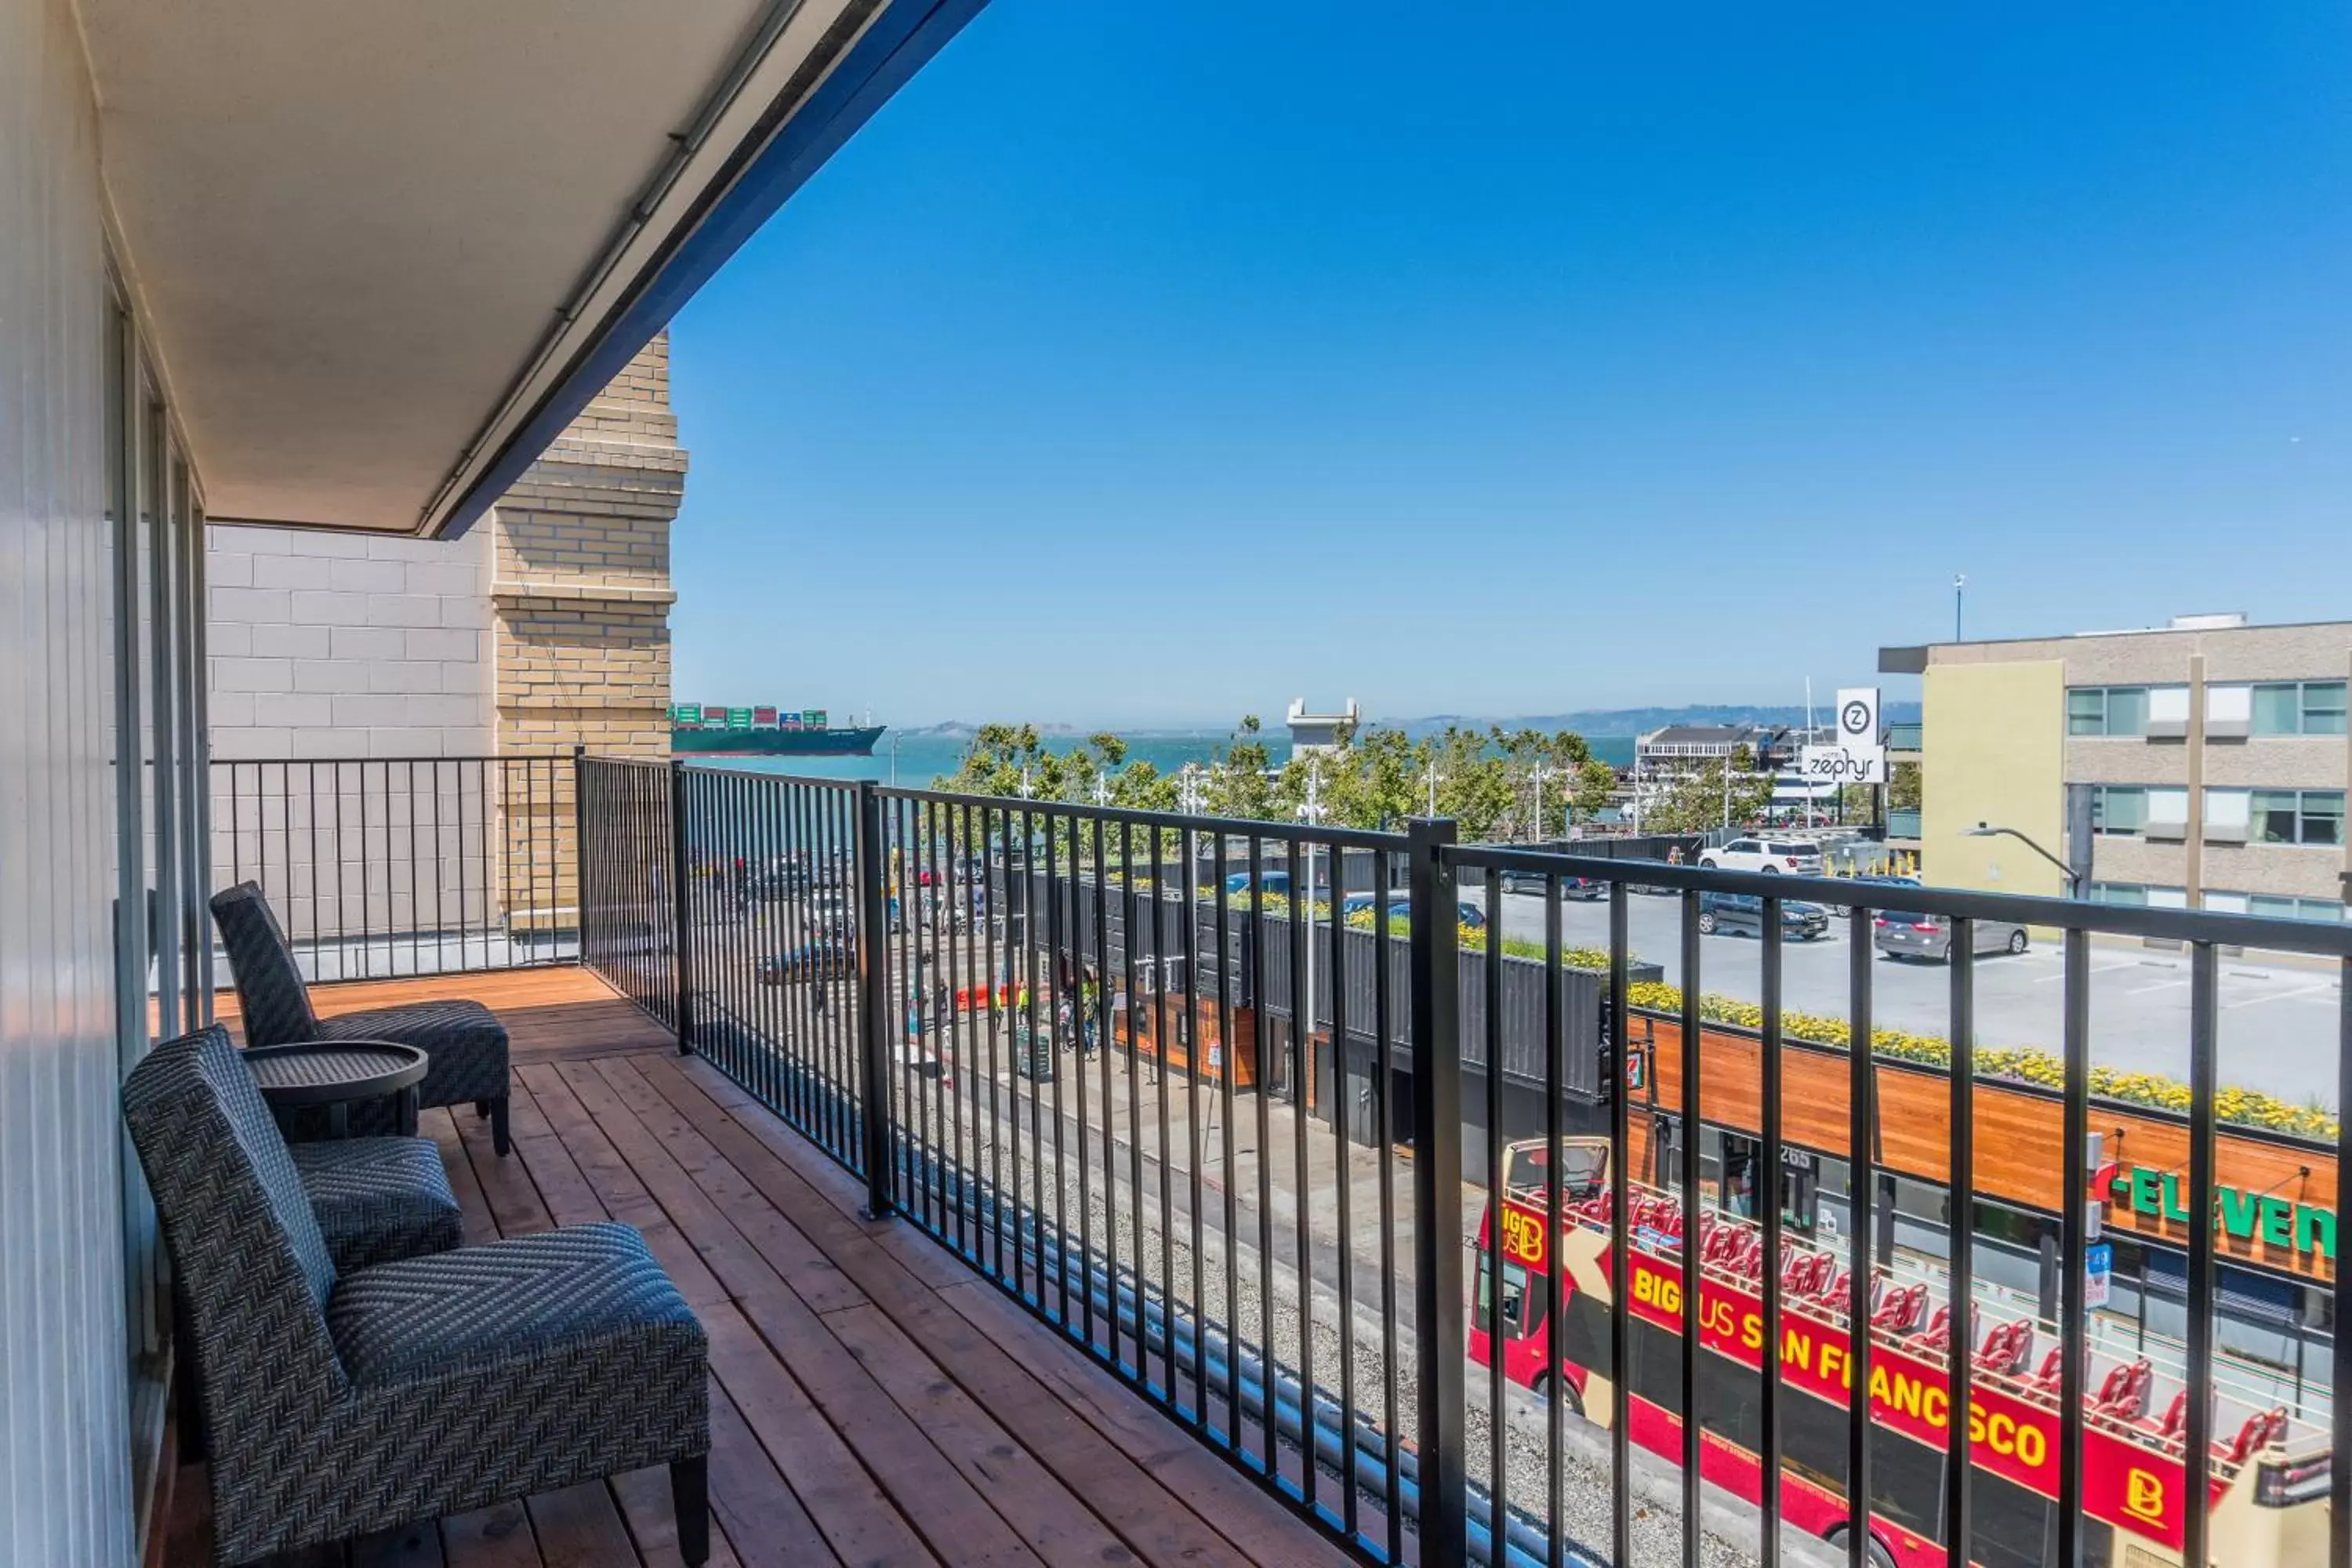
{"x": 1734, "y": 914}
{"x": 1569, "y": 887}
{"x": 829, "y": 958}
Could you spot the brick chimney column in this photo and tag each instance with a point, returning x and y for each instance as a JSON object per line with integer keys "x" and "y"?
{"x": 580, "y": 597}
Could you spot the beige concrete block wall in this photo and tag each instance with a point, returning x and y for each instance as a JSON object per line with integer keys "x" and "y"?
{"x": 1994, "y": 740}
{"x": 349, "y": 688}
{"x": 546, "y": 627}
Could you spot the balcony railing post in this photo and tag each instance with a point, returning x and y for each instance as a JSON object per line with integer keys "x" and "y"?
{"x": 873, "y": 872}
{"x": 1437, "y": 1197}
{"x": 580, "y": 850}
{"x": 681, "y": 907}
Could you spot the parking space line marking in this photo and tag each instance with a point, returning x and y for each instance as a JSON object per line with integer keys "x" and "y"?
{"x": 2311, "y": 990}
{"x": 2159, "y": 986}
{"x": 2095, "y": 969}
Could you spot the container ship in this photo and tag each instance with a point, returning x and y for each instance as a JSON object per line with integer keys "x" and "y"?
{"x": 766, "y": 733}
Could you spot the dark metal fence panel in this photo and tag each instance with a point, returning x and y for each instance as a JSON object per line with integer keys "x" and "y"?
{"x": 1152, "y": 1156}
{"x": 756, "y": 880}
{"x": 628, "y": 927}
{"x": 385, "y": 867}
{"x": 1091, "y": 1052}
{"x": 2061, "y": 1425}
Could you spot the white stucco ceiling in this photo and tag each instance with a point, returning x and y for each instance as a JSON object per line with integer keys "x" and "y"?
{"x": 352, "y": 225}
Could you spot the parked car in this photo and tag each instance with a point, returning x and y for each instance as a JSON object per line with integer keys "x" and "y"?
{"x": 1276, "y": 883}
{"x": 1797, "y": 857}
{"x": 1569, "y": 887}
{"x": 1473, "y": 918}
{"x": 828, "y": 957}
{"x": 1743, "y": 914}
{"x": 1898, "y": 933}
{"x": 1876, "y": 880}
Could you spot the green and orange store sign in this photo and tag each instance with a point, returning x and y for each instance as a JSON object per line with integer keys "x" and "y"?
{"x": 2253, "y": 1219}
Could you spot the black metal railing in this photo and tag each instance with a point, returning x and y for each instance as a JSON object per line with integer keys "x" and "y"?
{"x": 1387, "y": 1203}
{"x": 393, "y": 865}
{"x": 629, "y": 928}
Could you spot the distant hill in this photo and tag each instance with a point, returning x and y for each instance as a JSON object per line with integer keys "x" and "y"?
{"x": 963, "y": 729}
{"x": 1640, "y": 720}
{"x": 1590, "y": 722}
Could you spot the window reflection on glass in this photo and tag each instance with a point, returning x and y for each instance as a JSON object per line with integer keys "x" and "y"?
{"x": 1515, "y": 1295}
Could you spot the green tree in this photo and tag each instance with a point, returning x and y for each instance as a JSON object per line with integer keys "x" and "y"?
{"x": 1903, "y": 787}
{"x": 1596, "y": 782}
{"x": 1236, "y": 783}
{"x": 1140, "y": 786}
{"x": 1698, "y": 798}
{"x": 998, "y": 760}
{"x": 1370, "y": 780}
{"x": 1493, "y": 783}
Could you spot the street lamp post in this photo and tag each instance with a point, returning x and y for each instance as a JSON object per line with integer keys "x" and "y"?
{"x": 1987, "y": 830}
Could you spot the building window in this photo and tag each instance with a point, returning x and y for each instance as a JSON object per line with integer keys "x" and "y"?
{"x": 2106, "y": 711}
{"x": 2139, "y": 895}
{"x": 2299, "y": 708}
{"x": 2278, "y": 907}
{"x": 2118, "y": 811}
{"x": 2228, "y": 815}
{"x": 2296, "y": 817}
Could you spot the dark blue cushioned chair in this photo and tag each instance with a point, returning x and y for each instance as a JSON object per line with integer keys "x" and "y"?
{"x": 341, "y": 1403}
{"x": 465, "y": 1039}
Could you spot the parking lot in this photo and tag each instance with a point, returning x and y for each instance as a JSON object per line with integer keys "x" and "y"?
{"x": 2278, "y": 1019}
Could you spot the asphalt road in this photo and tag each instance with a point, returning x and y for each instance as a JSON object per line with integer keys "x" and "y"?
{"x": 2279, "y": 1017}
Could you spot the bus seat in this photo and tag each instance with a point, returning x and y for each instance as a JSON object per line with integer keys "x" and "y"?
{"x": 2125, "y": 1392}
{"x": 2006, "y": 1347}
{"x": 1899, "y": 1310}
{"x": 2176, "y": 1420}
{"x": 2251, "y": 1433}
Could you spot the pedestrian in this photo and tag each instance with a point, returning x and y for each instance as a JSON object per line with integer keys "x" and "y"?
{"x": 942, "y": 1004}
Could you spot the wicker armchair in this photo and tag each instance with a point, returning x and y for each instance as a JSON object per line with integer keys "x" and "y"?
{"x": 377, "y": 1200}
{"x": 465, "y": 1039}
{"x": 341, "y": 1404}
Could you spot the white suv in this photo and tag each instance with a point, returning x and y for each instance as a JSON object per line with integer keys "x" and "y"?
{"x": 1769, "y": 856}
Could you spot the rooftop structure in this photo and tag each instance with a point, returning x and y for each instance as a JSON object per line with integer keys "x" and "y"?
{"x": 1319, "y": 732}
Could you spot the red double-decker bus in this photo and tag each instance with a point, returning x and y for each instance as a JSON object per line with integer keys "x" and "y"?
{"x": 2269, "y": 1469}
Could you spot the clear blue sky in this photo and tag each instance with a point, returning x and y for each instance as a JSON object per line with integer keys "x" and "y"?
{"x": 1152, "y": 363}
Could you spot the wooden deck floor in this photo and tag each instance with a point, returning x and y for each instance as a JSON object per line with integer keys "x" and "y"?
{"x": 872, "y": 1401}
